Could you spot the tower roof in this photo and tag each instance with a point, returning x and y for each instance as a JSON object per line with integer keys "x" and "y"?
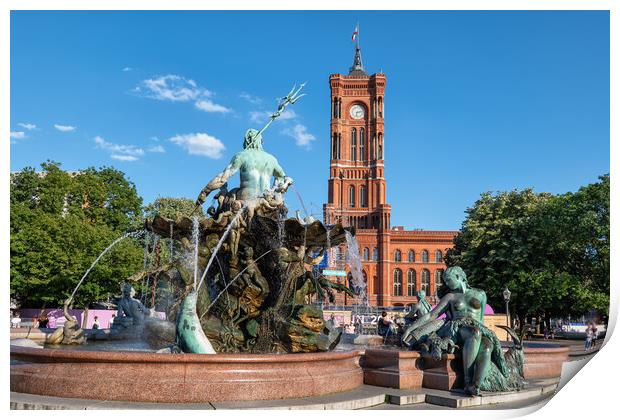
{"x": 357, "y": 69}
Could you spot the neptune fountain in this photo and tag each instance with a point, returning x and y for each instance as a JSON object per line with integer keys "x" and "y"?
{"x": 239, "y": 320}
{"x": 252, "y": 299}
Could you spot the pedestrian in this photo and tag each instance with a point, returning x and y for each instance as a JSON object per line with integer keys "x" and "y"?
{"x": 43, "y": 320}
{"x": 96, "y": 323}
{"x": 359, "y": 325}
{"x": 594, "y": 335}
{"x": 386, "y": 326}
{"x": 16, "y": 321}
{"x": 112, "y": 320}
{"x": 589, "y": 334}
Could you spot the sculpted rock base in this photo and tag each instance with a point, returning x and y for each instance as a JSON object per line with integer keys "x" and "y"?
{"x": 256, "y": 294}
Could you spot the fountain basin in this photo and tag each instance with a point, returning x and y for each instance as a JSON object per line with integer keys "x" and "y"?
{"x": 182, "y": 378}
{"x": 544, "y": 360}
{"x": 396, "y": 368}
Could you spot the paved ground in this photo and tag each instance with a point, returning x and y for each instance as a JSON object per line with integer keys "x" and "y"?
{"x": 501, "y": 406}
{"x": 577, "y": 347}
{"x": 364, "y": 397}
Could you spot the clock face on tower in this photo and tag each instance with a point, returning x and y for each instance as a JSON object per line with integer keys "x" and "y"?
{"x": 357, "y": 112}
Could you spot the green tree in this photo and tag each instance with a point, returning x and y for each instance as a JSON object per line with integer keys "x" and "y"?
{"x": 579, "y": 225}
{"x": 60, "y": 223}
{"x": 552, "y": 252}
{"x": 172, "y": 208}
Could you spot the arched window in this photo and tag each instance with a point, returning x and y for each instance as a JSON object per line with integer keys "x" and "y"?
{"x": 411, "y": 282}
{"x": 380, "y": 152}
{"x": 362, "y": 143}
{"x": 411, "y": 256}
{"x": 426, "y": 280}
{"x": 397, "y": 255}
{"x": 352, "y": 196}
{"x": 438, "y": 256}
{"x": 425, "y": 256}
{"x": 363, "y": 196}
{"x": 438, "y": 276}
{"x": 335, "y": 103}
{"x": 375, "y": 254}
{"x": 366, "y": 254}
{"x": 353, "y": 144}
{"x": 398, "y": 282}
{"x": 380, "y": 107}
{"x": 374, "y": 146}
{"x": 335, "y": 146}
{"x": 339, "y": 146}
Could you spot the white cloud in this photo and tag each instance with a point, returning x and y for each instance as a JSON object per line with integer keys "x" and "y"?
{"x": 260, "y": 117}
{"x": 173, "y": 88}
{"x": 127, "y": 69}
{"x": 288, "y": 114}
{"x": 207, "y": 105}
{"x": 123, "y": 152}
{"x": 200, "y": 144}
{"x": 301, "y": 135}
{"x": 124, "y": 158}
{"x": 17, "y": 135}
{"x": 64, "y": 128}
{"x": 254, "y": 100}
{"x": 157, "y": 149}
{"x": 27, "y": 126}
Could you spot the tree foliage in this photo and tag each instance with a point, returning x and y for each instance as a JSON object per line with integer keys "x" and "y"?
{"x": 551, "y": 251}
{"x": 172, "y": 208}
{"x": 60, "y": 223}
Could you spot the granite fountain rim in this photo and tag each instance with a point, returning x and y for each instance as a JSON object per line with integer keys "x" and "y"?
{"x": 56, "y": 355}
{"x": 538, "y": 348}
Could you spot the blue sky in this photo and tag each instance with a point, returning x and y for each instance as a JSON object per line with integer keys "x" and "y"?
{"x": 475, "y": 101}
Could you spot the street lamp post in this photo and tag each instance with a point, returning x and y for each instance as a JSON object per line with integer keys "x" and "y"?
{"x": 507, "y": 294}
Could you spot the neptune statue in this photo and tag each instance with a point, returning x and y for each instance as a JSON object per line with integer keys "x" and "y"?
{"x": 256, "y": 166}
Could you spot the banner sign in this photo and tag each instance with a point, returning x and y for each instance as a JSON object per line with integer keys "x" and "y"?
{"x": 337, "y": 273}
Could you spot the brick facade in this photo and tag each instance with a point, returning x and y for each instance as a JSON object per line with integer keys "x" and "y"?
{"x": 357, "y": 195}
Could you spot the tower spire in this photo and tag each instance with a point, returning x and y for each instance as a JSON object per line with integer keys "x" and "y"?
{"x": 358, "y": 68}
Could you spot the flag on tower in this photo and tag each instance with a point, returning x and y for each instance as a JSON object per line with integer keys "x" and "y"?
{"x": 355, "y": 32}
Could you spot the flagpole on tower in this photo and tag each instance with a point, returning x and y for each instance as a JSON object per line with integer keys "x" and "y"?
{"x": 357, "y": 57}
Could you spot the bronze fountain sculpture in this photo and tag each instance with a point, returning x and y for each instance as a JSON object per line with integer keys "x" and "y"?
{"x": 485, "y": 366}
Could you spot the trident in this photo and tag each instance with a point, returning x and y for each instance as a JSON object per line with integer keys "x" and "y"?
{"x": 292, "y": 97}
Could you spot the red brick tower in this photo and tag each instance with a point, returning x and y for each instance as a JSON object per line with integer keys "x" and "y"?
{"x": 356, "y": 186}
